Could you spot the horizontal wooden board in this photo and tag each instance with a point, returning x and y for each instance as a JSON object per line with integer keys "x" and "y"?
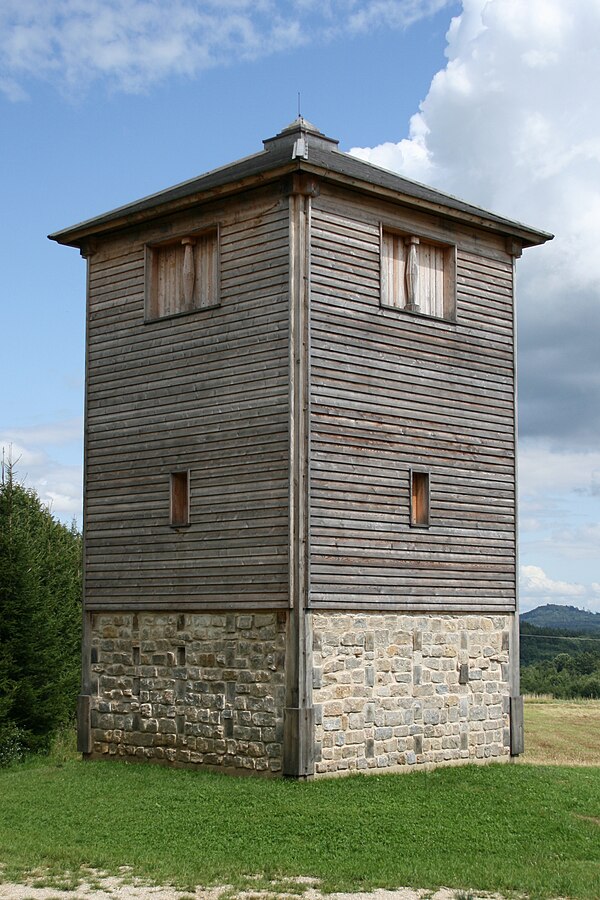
{"x": 395, "y": 603}
{"x": 165, "y": 603}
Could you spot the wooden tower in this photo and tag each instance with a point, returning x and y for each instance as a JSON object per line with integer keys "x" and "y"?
{"x": 300, "y": 495}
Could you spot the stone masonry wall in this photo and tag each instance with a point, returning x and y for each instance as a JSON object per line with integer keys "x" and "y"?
{"x": 190, "y": 688}
{"x": 387, "y": 689}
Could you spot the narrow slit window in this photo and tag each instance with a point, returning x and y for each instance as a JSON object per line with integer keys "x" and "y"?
{"x": 180, "y": 498}
{"x": 419, "y": 498}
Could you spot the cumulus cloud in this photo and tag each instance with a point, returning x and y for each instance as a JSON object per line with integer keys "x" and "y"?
{"x": 511, "y": 124}
{"x": 537, "y": 589}
{"x": 534, "y": 580}
{"x": 135, "y": 43}
{"x": 42, "y": 460}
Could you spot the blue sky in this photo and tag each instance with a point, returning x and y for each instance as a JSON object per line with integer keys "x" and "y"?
{"x": 493, "y": 100}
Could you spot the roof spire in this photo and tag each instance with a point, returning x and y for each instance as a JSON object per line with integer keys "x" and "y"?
{"x": 298, "y": 131}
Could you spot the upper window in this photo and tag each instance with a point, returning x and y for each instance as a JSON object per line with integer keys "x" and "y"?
{"x": 182, "y": 275}
{"x": 416, "y": 275}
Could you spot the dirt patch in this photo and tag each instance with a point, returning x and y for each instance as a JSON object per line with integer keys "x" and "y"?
{"x": 593, "y": 819}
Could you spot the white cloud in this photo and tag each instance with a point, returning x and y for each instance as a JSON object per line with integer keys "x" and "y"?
{"x": 546, "y": 469}
{"x": 570, "y": 542}
{"x": 409, "y": 156}
{"x": 389, "y": 12}
{"x": 19, "y": 455}
{"x": 513, "y": 112}
{"x": 558, "y": 511}
{"x": 135, "y": 43}
{"x": 535, "y": 581}
{"x": 582, "y": 542}
{"x": 42, "y": 456}
{"x": 57, "y": 433}
{"x": 536, "y": 588}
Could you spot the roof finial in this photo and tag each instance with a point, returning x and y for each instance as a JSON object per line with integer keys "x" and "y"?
{"x": 299, "y": 113}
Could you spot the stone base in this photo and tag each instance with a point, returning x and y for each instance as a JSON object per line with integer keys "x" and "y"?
{"x": 387, "y": 690}
{"x": 205, "y": 689}
{"x": 391, "y": 691}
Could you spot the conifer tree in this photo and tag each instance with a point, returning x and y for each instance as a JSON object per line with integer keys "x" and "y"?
{"x": 40, "y": 614}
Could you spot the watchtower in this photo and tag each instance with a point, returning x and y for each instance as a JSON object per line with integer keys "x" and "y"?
{"x": 300, "y": 496}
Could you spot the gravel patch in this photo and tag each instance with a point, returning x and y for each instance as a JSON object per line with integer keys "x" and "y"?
{"x": 97, "y": 886}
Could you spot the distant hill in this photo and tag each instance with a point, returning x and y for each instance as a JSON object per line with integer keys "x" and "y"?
{"x": 563, "y": 618}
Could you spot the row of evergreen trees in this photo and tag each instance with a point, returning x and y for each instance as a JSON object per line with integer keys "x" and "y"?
{"x": 40, "y": 618}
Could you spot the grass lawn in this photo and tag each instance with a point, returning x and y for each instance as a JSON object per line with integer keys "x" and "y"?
{"x": 566, "y": 732}
{"x": 531, "y": 829}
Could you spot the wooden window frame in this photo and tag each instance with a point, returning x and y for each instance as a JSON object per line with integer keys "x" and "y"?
{"x": 151, "y": 262}
{"x": 420, "y": 498}
{"x": 179, "y": 498}
{"x": 449, "y": 277}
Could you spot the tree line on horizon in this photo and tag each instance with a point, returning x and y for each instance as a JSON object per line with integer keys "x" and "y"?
{"x": 561, "y": 662}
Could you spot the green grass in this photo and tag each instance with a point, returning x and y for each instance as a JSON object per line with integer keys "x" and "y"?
{"x": 534, "y": 830}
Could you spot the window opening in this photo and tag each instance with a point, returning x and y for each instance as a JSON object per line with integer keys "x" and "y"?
{"x": 180, "y": 498}
{"x": 419, "y": 498}
{"x": 182, "y": 275}
{"x": 417, "y": 276}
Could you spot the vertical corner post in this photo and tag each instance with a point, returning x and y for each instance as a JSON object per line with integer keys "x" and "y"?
{"x": 298, "y": 741}
{"x": 517, "y": 740}
{"x": 84, "y": 700}
{"x": 84, "y": 730}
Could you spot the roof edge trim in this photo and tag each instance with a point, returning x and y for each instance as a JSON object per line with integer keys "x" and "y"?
{"x": 275, "y": 163}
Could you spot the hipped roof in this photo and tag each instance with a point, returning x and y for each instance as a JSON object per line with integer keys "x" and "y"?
{"x": 300, "y": 147}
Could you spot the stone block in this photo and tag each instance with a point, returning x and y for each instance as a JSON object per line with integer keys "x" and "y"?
{"x": 431, "y": 716}
{"x": 332, "y": 724}
{"x": 356, "y": 721}
{"x": 382, "y": 734}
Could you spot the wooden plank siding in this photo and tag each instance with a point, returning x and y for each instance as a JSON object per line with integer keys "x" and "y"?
{"x": 391, "y": 390}
{"x": 205, "y": 392}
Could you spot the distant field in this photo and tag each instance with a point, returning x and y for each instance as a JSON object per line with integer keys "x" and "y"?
{"x": 562, "y": 732}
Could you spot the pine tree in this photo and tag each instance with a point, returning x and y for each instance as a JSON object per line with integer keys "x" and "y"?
{"x": 40, "y": 614}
